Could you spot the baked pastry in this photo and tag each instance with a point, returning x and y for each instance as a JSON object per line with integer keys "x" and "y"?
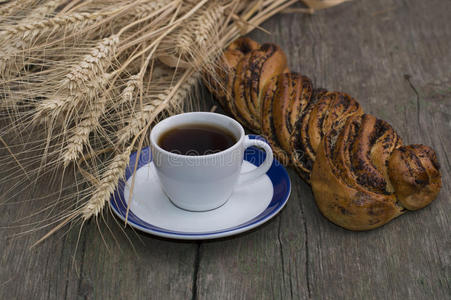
{"x": 245, "y": 68}
{"x": 361, "y": 174}
{"x": 221, "y": 85}
{"x": 284, "y": 100}
{"x": 350, "y": 180}
{"x": 363, "y": 177}
{"x": 253, "y": 72}
{"x": 414, "y": 173}
{"x": 328, "y": 113}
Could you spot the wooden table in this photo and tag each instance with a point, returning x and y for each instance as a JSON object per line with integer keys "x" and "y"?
{"x": 394, "y": 57}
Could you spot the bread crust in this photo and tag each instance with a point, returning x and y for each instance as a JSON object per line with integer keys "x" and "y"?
{"x": 415, "y": 175}
{"x": 348, "y": 187}
{"x": 253, "y": 72}
{"x": 329, "y": 112}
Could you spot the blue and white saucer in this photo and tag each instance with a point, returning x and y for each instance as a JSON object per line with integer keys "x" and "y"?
{"x": 250, "y": 205}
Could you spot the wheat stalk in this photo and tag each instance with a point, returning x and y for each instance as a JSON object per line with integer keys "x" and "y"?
{"x": 42, "y": 10}
{"x": 107, "y": 184}
{"x": 92, "y": 64}
{"x": 143, "y": 10}
{"x": 321, "y": 4}
{"x": 82, "y": 82}
{"x": 70, "y": 23}
{"x": 80, "y": 133}
{"x": 198, "y": 32}
{"x": 12, "y": 7}
{"x": 133, "y": 84}
{"x": 149, "y": 112}
{"x": 207, "y": 25}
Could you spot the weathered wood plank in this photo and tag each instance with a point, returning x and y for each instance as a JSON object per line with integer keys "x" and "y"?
{"x": 267, "y": 263}
{"x": 44, "y": 272}
{"x": 152, "y": 269}
{"x": 102, "y": 264}
{"x": 364, "y": 48}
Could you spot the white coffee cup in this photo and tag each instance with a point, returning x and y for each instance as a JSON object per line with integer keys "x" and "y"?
{"x": 204, "y": 182}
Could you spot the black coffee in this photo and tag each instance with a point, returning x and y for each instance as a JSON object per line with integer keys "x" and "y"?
{"x": 196, "y": 139}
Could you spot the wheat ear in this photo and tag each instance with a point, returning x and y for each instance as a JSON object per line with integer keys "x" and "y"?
{"x": 42, "y": 10}
{"x": 107, "y": 184}
{"x": 12, "y": 7}
{"x": 133, "y": 84}
{"x": 82, "y": 82}
{"x": 8, "y": 57}
{"x": 197, "y": 33}
{"x": 81, "y": 131}
{"x": 144, "y": 9}
{"x": 92, "y": 64}
{"x": 149, "y": 112}
{"x": 19, "y": 37}
{"x": 206, "y": 26}
{"x": 118, "y": 165}
{"x": 70, "y": 23}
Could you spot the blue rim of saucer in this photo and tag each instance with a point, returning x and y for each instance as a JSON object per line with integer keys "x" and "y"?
{"x": 277, "y": 174}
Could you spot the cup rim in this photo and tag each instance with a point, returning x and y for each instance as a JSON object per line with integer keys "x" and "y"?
{"x": 182, "y": 115}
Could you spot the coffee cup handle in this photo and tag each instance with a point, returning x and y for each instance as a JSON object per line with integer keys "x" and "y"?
{"x": 264, "y": 167}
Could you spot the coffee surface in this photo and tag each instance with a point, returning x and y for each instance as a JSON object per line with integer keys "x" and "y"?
{"x": 196, "y": 139}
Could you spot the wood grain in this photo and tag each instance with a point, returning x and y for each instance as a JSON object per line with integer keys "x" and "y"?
{"x": 394, "y": 57}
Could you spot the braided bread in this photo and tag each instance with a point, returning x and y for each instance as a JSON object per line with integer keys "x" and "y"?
{"x": 361, "y": 174}
{"x": 285, "y": 98}
{"x": 349, "y": 178}
{"x": 329, "y": 112}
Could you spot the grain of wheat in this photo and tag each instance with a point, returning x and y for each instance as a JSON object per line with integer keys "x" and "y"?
{"x": 80, "y": 133}
{"x": 10, "y": 56}
{"x": 92, "y": 65}
{"x": 82, "y": 82}
{"x": 207, "y": 25}
{"x": 42, "y": 10}
{"x": 71, "y": 23}
{"x": 13, "y": 7}
{"x": 201, "y": 30}
{"x": 107, "y": 184}
{"x": 133, "y": 84}
{"x": 142, "y": 10}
